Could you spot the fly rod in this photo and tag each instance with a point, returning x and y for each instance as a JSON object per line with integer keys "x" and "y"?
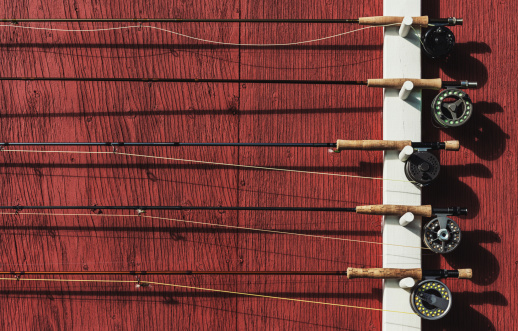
{"x": 395, "y": 210}
{"x": 437, "y": 42}
{"x": 430, "y": 298}
{"x": 378, "y": 273}
{"x": 434, "y": 84}
{"x": 452, "y": 107}
{"x": 441, "y": 235}
{"x": 421, "y": 166}
{"x": 421, "y": 21}
{"x": 376, "y": 145}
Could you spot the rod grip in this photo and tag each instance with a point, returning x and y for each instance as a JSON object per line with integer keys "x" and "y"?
{"x": 395, "y": 210}
{"x": 384, "y": 273}
{"x": 421, "y": 21}
{"x": 452, "y": 145}
{"x": 397, "y": 83}
{"x": 465, "y": 273}
{"x": 372, "y": 145}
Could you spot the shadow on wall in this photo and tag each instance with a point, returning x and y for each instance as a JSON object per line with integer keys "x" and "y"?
{"x": 449, "y": 190}
{"x": 231, "y": 110}
{"x": 173, "y": 298}
{"x": 475, "y": 134}
{"x": 463, "y": 317}
{"x": 470, "y": 253}
{"x": 462, "y": 57}
{"x": 481, "y": 135}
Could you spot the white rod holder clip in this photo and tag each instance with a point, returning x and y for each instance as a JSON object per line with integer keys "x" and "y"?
{"x": 408, "y": 282}
{"x": 405, "y": 91}
{"x": 405, "y": 153}
{"x": 406, "y": 25}
{"x": 406, "y": 219}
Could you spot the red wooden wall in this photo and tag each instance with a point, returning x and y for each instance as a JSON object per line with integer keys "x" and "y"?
{"x": 481, "y": 176}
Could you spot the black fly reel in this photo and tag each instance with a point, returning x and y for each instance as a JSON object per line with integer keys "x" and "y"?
{"x": 431, "y": 299}
{"x": 451, "y": 108}
{"x": 422, "y": 168}
{"x": 438, "y": 42}
{"x": 442, "y": 235}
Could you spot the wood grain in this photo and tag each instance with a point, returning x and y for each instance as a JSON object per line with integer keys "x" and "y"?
{"x": 479, "y": 176}
{"x": 45, "y": 111}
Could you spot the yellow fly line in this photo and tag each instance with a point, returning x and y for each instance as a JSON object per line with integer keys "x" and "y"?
{"x": 201, "y": 289}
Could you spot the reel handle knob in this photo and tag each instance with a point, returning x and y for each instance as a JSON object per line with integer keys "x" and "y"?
{"x": 397, "y": 83}
{"x": 384, "y": 273}
{"x": 395, "y": 210}
{"x": 372, "y": 145}
{"x": 465, "y": 273}
{"x": 452, "y": 145}
{"x": 420, "y": 21}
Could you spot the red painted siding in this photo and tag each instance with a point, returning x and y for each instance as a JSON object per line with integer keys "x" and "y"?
{"x": 481, "y": 176}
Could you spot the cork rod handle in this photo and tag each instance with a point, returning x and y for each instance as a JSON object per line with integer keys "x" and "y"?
{"x": 452, "y": 145}
{"x": 384, "y": 273}
{"x": 395, "y": 210}
{"x": 397, "y": 83}
{"x": 372, "y": 145}
{"x": 465, "y": 273}
{"x": 421, "y": 21}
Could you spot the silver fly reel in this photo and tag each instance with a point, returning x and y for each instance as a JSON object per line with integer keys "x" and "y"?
{"x": 442, "y": 235}
{"x": 431, "y": 299}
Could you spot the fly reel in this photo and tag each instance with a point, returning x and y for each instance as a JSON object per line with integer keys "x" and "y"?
{"x": 438, "y": 42}
{"x": 431, "y": 299}
{"x": 442, "y": 235}
{"x": 451, "y": 108}
{"x": 422, "y": 167}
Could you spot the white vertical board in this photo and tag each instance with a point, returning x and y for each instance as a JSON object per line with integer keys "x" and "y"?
{"x": 401, "y": 121}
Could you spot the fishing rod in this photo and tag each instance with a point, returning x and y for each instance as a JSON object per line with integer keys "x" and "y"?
{"x": 351, "y": 273}
{"x": 431, "y": 299}
{"x": 422, "y": 167}
{"x": 421, "y": 21}
{"x": 441, "y": 235}
{"x": 452, "y": 107}
{"x": 437, "y": 42}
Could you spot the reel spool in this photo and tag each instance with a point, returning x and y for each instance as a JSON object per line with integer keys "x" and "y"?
{"x": 451, "y": 108}
{"x": 431, "y": 299}
{"x": 442, "y": 235}
{"x": 438, "y": 42}
{"x": 422, "y": 168}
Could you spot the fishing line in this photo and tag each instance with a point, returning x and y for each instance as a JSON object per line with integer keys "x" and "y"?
{"x": 216, "y": 225}
{"x": 137, "y": 282}
{"x": 207, "y": 162}
{"x": 196, "y": 38}
{"x": 441, "y": 235}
